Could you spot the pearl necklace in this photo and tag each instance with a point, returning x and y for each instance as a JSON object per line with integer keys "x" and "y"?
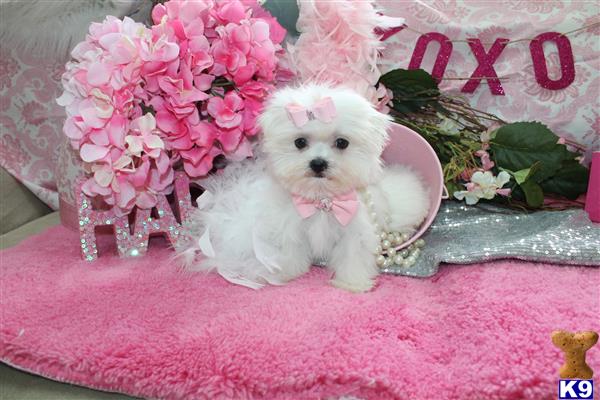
{"x": 386, "y": 254}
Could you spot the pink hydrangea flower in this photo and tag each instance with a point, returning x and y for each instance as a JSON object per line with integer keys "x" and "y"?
{"x": 103, "y": 94}
{"x": 141, "y": 101}
{"x": 228, "y": 62}
{"x": 132, "y": 173}
{"x": 225, "y": 110}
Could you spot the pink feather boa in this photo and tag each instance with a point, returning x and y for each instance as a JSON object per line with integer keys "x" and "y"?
{"x": 338, "y": 45}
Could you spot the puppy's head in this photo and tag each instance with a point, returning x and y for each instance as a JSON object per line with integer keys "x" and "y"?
{"x": 323, "y": 141}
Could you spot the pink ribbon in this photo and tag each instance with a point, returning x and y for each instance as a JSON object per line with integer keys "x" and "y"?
{"x": 323, "y": 110}
{"x": 343, "y": 207}
{"x": 592, "y": 198}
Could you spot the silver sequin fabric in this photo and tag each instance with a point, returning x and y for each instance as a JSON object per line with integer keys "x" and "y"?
{"x": 463, "y": 234}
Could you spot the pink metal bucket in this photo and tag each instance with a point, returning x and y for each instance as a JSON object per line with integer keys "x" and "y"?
{"x": 408, "y": 148}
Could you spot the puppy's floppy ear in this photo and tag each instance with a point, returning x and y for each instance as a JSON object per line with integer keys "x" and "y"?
{"x": 267, "y": 119}
{"x": 274, "y": 114}
{"x": 379, "y": 124}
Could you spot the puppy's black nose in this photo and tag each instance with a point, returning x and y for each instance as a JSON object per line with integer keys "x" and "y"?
{"x": 318, "y": 165}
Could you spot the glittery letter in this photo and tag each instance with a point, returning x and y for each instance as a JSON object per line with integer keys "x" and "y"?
{"x": 145, "y": 225}
{"x": 89, "y": 219}
{"x": 443, "y": 56}
{"x": 183, "y": 199}
{"x": 136, "y": 243}
{"x": 485, "y": 69}
{"x": 165, "y": 224}
{"x": 565, "y": 54}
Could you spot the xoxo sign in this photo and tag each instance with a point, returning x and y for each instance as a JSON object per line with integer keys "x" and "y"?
{"x": 487, "y": 58}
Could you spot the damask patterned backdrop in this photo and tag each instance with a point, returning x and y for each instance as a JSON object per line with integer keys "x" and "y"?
{"x": 31, "y": 121}
{"x": 572, "y": 112}
{"x": 36, "y": 38}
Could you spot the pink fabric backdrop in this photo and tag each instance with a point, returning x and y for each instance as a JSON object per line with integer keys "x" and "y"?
{"x": 36, "y": 37}
{"x": 572, "y": 112}
{"x": 31, "y": 122}
{"x": 30, "y": 119}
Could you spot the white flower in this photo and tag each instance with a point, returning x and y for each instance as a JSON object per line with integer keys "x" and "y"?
{"x": 485, "y": 136}
{"x": 448, "y": 126}
{"x": 483, "y": 185}
{"x": 489, "y": 133}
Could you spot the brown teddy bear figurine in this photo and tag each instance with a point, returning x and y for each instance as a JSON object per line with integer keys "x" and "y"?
{"x": 574, "y": 345}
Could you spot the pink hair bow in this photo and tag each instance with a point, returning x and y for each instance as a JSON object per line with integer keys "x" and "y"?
{"x": 323, "y": 110}
{"x": 343, "y": 207}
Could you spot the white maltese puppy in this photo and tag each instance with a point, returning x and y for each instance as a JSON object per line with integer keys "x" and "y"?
{"x": 317, "y": 194}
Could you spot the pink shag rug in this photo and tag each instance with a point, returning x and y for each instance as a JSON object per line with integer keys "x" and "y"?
{"x": 143, "y": 328}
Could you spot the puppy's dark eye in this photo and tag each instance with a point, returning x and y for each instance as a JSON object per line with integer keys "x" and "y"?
{"x": 341, "y": 143}
{"x": 301, "y": 143}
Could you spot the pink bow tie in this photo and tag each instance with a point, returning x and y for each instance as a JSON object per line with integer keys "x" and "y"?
{"x": 323, "y": 110}
{"x": 343, "y": 207}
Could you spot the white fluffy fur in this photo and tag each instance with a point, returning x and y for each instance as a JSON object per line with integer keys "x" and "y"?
{"x": 255, "y": 230}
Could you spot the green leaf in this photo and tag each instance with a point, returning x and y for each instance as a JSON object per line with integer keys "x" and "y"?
{"x": 524, "y": 174}
{"x": 570, "y": 180}
{"x": 520, "y": 145}
{"x": 521, "y": 176}
{"x": 534, "y": 195}
{"x": 443, "y": 152}
{"x": 286, "y": 12}
{"x": 413, "y": 89}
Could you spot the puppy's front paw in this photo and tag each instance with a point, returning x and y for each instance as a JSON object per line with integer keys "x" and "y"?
{"x": 354, "y": 286}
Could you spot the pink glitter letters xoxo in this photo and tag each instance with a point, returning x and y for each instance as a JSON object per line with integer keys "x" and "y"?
{"x": 485, "y": 69}
{"x": 443, "y": 56}
{"x": 132, "y": 244}
{"x": 565, "y": 55}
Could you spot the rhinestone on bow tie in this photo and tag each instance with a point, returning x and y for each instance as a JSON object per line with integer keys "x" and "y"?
{"x": 325, "y": 204}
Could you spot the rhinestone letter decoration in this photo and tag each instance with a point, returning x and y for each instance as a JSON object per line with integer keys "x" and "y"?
{"x": 133, "y": 243}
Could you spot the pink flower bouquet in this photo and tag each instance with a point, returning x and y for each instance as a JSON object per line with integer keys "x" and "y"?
{"x": 143, "y": 101}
